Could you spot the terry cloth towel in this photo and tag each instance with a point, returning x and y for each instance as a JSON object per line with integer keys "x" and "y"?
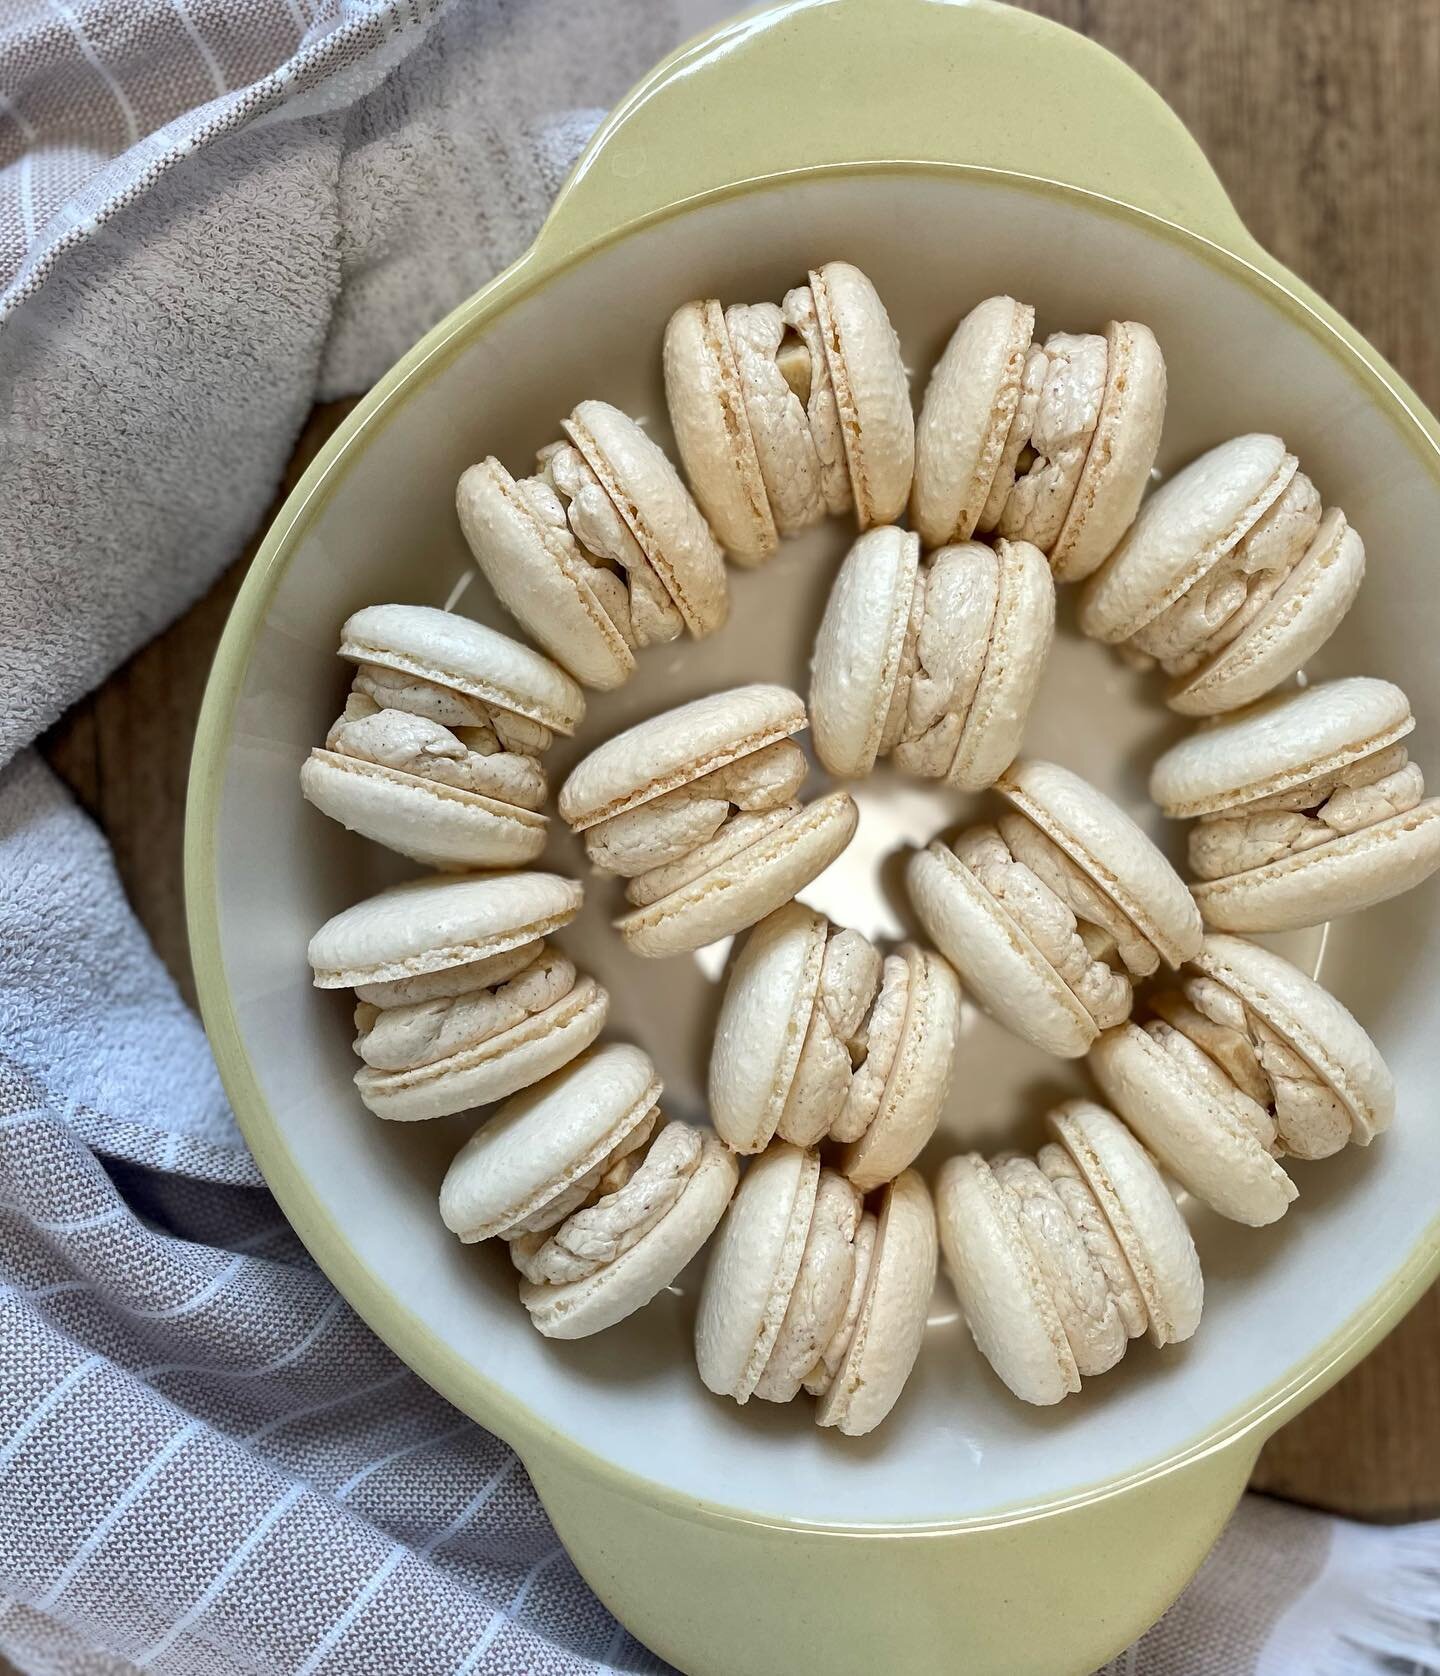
{"x": 213, "y": 212}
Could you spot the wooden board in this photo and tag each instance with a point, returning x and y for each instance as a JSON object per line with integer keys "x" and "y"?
{"x": 1321, "y": 117}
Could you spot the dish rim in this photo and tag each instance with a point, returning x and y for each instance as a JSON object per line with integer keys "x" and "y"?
{"x": 384, "y": 1311}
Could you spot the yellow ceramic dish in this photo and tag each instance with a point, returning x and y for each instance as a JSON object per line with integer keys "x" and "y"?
{"x": 951, "y": 151}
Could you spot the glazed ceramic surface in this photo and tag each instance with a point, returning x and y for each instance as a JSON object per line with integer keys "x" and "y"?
{"x": 375, "y": 521}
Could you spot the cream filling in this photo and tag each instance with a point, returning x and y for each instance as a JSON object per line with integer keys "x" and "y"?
{"x": 1093, "y": 1225}
{"x": 1224, "y": 602}
{"x": 1052, "y": 458}
{"x": 1108, "y": 931}
{"x": 629, "y": 1199}
{"x": 1310, "y": 1118}
{"x": 832, "y": 1357}
{"x": 821, "y": 1292}
{"x": 1079, "y": 1286}
{"x": 390, "y": 689}
{"x": 952, "y": 620}
{"x": 1193, "y": 1059}
{"x": 779, "y": 424}
{"x": 609, "y": 1175}
{"x": 835, "y": 1037}
{"x": 1352, "y": 798}
{"x": 805, "y": 367}
{"x": 566, "y": 495}
{"x": 739, "y": 832}
{"x": 395, "y": 723}
{"x": 484, "y": 973}
{"x": 1017, "y": 439}
{"x": 649, "y": 843}
{"x": 406, "y": 1037}
{"x": 853, "y": 1035}
{"x": 880, "y": 1043}
{"x": 1092, "y": 946}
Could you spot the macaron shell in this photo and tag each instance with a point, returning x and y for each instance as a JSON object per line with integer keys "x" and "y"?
{"x": 872, "y": 390}
{"x": 919, "y": 1079}
{"x": 1279, "y": 743}
{"x": 1321, "y": 1029}
{"x": 493, "y": 1069}
{"x": 468, "y": 657}
{"x": 1002, "y": 1294}
{"x": 581, "y": 1307}
{"x": 747, "y": 886}
{"x": 437, "y": 825}
{"x": 1334, "y": 879}
{"x": 753, "y": 1268}
{"x": 1014, "y": 667}
{"x": 542, "y": 1141}
{"x": 999, "y": 965}
{"x": 676, "y": 747}
{"x": 707, "y": 415}
{"x": 1099, "y": 837}
{"x": 858, "y": 649}
{"x": 1182, "y": 531}
{"x": 1194, "y": 1136}
{"x": 965, "y": 417}
{"x": 759, "y": 1035}
{"x": 657, "y": 508}
{"x": 891, "y": 1325}
{"x": 1303, "y": 615}
{"x": 1122, "y": 453}
{"x": 430, "y": 925}
{"x": 1142, "y": 1214}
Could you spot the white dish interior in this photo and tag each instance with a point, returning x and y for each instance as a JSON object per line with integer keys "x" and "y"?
{"x": 934, "y": 243}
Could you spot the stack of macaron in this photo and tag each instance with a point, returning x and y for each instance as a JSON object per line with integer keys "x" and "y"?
{"x": 601, "y": 1199}
{"x": 809, "y": 1288}
{"x": 697, "y": 809}
{"x": 600, "y": 551}
{"x": 437, "y": 752}
{"x": 1246, "y": 1062}
{"x": 932, "y": 664}
{"x": 1059, "y": 1260}
{"x": 1231, "y": 577}
{"x": 460, "y": 998}
{"x": 832, "y": 1057}
{"x": 1306, "y": 807}
{"x": 821, "y": 1037}
{"x": 1053, "y": 913}
{"x": 784, "y": 412}
{"x": 1050, "y": 443}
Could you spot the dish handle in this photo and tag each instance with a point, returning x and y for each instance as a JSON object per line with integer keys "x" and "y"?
{"x": 1056, "y": 1593}
{"x": 811, "y": 83}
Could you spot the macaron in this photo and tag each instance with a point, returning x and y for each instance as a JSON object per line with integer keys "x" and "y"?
{"x": 807, "y": 1289}
{"x": 1049, "y": 915}
{"x": 697, "y": 809}
{"x": 437, "y": 752}
{"x": 821, "y": 1037}
{"x": 1049, "y": 443}
{"x": 933, "y": 664}
{"x": 460, "y": 1000}
{"x": 599, "y": 553}
{"x": 1246, "y": 1062}
{"x": 786, "y": 413}
{"x": 1230, "y": 579}
{"x": 602, "y": 1201}
{"x": 1058, "y": 1261}
{"x": 1306, "y": 806}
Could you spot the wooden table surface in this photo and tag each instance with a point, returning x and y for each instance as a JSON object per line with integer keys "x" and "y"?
{"x": 1321, "y": 117}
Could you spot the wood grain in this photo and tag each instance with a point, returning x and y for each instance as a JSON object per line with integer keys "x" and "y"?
{"x": 1320, "y": 116}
